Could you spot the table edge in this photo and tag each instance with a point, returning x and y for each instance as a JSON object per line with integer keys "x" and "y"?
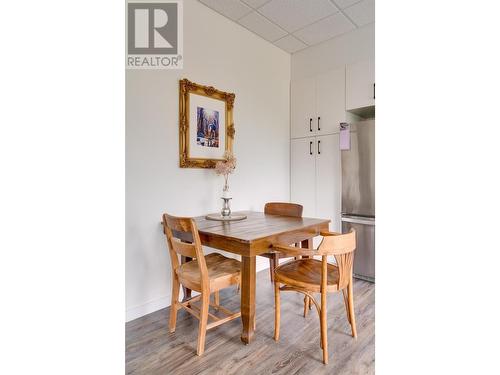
{"x": 323, "y": 221}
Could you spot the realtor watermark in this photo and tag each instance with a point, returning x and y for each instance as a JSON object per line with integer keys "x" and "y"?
{"x": 154, "y": 34}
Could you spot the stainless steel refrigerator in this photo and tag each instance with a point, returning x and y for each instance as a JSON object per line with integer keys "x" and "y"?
{"x": 358, "y": 195}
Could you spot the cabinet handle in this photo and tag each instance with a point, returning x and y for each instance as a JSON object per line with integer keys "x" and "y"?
{"x": 318, "y": 123}
{"x": 373, "y": 91}
{"x": 319, "y": 152}
{"x": 310, "y": 148}
{"x": 310, "y": 124}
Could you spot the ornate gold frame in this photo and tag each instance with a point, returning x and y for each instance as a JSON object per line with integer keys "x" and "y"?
{"x": 187, "y": 87}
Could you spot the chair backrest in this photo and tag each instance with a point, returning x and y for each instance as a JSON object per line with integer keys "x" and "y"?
{"x": 284, "y": 209}
{"x": 177, "y": 229}
{"x": 342, "y": 247}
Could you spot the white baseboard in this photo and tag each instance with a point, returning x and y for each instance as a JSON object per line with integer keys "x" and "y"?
{"x": 147, "y": 308}
{"x": 164, "y": 301}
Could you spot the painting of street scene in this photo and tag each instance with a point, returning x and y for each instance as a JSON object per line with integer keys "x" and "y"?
{"x": 207, "y": 133}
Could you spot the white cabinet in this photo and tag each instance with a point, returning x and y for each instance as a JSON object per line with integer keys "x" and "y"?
{"x": 360, "y": 85}
{"x": 328, "y": 183}
{"x": 303, "y": 174}
{"x": 318, "y": 104}
{"x": 330, "y": 101}
{"x": 303, "y": 99}
{"x": 315, "y": 177}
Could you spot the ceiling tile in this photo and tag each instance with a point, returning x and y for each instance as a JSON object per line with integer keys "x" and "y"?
{"x": 362, "y": 13}
{"x": 290, "y": 44}
{"x": 345, "y": 3}
{"x": 325, "y": 29}
{"x": 292, "y": 15}
{"x": 255, "y": 3}
{"x": 261, "y": 26}
{"x": 233, "y": 9}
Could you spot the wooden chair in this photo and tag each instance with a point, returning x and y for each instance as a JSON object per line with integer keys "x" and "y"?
{"x": 204, "y": 274}
{"x": 309, "y": 276}
{"x": 284, "y": 209}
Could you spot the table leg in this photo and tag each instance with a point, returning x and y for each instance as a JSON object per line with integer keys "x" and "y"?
{"x": 186, "y": 291}
{"x": 307, "y": 244}
{"x": 248, "y": 298}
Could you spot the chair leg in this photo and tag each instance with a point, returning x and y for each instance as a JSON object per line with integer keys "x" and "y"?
{"x": 346, "y": 303}
{"x": 173, "y": 306}
{"x": 276, "y": 311}
{"x": 351, "y": 309}
{"x": 324, "y": 326}
{"x": 216, "y": 300}
{"x": 306, "y": 305}
{"x": 321, "y": 332}
{"x": 202, "y": 328}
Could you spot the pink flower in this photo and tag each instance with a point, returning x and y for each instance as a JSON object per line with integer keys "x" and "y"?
{"x": 226, "y": 166}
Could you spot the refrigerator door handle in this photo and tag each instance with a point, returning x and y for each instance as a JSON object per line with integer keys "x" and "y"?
{"x": 358, "y": 220}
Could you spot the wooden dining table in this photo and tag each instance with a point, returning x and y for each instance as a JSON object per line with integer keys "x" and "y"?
{"x": 250, "y": 237}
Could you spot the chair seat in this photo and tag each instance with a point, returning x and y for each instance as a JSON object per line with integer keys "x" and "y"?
{"x": 222, "y": 272}
{"x": 306, "y": 274}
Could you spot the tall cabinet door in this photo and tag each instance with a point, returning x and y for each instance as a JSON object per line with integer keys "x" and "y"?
{"x": 302, "y": 174}
{"x": 360, "y": 85}
{"x": 330, "y": 101}
{"x": 303, "y": 97}
{"x": 328, "y": 183}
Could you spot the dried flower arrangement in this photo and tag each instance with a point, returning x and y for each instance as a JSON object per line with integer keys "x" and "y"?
{"x": 225, "y": 168}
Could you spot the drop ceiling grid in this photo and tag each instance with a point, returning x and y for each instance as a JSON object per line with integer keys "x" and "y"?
{"x": 296, "y": 14}
{"x": 293, "y": 25}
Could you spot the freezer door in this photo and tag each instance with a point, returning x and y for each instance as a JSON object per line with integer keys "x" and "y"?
{"x": 364, "y": 255}
{"x": 358, "y": 171}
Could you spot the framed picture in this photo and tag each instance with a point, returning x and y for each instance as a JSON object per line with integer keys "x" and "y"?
{"x": 206, "y": 128}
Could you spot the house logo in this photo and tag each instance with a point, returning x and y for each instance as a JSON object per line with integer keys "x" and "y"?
{"x": 154, "y": 35}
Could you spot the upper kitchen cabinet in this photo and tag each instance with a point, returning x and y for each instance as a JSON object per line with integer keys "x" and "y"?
{"x": 303, "y": 103}
{"x": 318, "y": 104}
{"x": 360, "y": 85}
{"x": 330, "y": 101}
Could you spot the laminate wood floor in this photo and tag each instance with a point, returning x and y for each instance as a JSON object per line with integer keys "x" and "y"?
{"x": 151, "y": 349}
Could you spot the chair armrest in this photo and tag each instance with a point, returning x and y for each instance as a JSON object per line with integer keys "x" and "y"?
{"x": 293, "y": 251}
{"x": 327, "y": 233}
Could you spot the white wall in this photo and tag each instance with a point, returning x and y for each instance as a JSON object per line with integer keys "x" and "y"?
{"x": 220, "y": 53}
{"x": 354, "y": 46}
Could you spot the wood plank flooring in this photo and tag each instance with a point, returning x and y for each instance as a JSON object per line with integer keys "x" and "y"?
{"x": 150, "y": 349}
